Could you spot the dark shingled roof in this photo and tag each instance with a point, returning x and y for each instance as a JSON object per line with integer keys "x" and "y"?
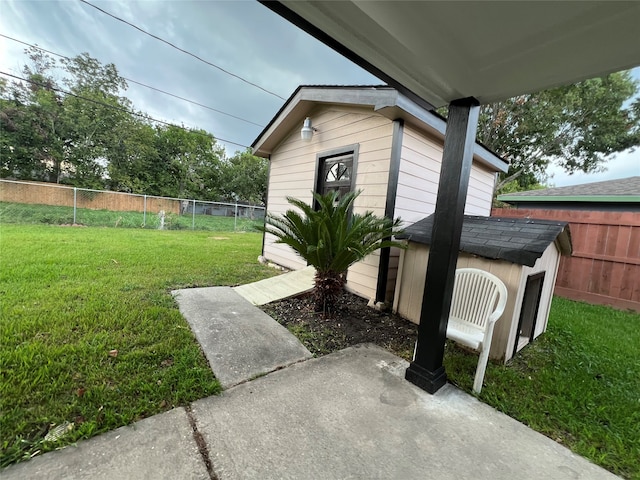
{"x": 518, "y": 240}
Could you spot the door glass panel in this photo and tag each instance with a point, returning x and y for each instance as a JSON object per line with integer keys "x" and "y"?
{"x": 336, "y": 174}
{"x": 338, "y": 171}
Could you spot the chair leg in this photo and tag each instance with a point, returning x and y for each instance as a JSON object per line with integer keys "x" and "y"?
{"x": 480, "y": 370}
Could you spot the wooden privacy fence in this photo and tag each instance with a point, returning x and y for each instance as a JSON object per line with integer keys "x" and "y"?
{"x": 605, "y": 265}
{"x": 59, "y": 195}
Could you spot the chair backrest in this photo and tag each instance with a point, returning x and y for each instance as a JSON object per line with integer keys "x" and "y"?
{"x": 479, "y": 297}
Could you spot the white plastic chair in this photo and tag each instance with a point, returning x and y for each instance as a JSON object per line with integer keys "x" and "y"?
{"x": 478, "y": 300}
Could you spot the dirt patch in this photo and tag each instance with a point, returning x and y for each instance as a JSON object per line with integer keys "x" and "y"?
{"x": 351, "y": 322}
{"x": 218, "y": 238}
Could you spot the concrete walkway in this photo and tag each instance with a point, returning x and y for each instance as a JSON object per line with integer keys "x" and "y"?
{"x": 279, "y": 287}
{"x": 350, "y": 414}
{"x": 239, "y": 340}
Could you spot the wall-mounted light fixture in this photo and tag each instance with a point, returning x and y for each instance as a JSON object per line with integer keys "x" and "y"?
{"x": 306, "y": 132}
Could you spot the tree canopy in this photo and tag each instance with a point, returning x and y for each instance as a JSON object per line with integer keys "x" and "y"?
{"x": 80, "y": 129}
{"x": 577, "y": 127}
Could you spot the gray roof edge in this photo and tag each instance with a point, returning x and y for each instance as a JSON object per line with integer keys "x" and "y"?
{"x": 377, "y": 96}
{"x": 255, "y": 145}
{"x": 322, "y": 94}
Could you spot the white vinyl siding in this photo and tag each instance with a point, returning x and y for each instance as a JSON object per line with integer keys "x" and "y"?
{"x": 548, "y": 263}
{"x": 480, "y": 193}
{"x": 421, "y": 159}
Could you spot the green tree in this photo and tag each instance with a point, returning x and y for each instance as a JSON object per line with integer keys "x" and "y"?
{"x": 576, "y": 127}
{"x": 31, "y": 126}
{"x": 80, "y": 130}
{"x": 94, "y": 115}
{"x": 244, "y": 178}
{"x": 51, "y": 135}
{"x": 331, "y": 239}
{"x": 134, "y": 160}
{"x": 189, "y": 162}
{"x": 166, "y": 161}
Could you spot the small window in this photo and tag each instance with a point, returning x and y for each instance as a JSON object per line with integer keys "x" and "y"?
{"x": 336, "y": 175}
{"x": 336, "y": 171}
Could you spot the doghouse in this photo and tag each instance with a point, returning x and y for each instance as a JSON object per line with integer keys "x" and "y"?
{"x": 523, "y": 253}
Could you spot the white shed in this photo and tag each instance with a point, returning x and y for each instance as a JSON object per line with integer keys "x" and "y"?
{"x": 524, "y": 253}
{"x": 365, "y": 138}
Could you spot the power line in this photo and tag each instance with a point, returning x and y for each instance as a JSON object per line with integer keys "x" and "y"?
{"x": 193, "y": 102}
{"x": 184, "y": 51}
{"x": 141, "y": 84}
{"x": 122, "y": 109}
{"x": 34, "y": 46}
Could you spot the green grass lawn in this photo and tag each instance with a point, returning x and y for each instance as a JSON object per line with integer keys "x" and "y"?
{"x": 579, "y": 383}
{"x": 23, "y": 213}
{"x": 90, "y": 334}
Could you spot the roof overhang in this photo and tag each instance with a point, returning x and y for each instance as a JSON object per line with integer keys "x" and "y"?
{"x": 384, "y": 100}
{"x": 437, "y": 52}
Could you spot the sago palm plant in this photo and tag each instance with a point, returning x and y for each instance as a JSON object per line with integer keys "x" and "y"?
{"x": 331, "y": 239}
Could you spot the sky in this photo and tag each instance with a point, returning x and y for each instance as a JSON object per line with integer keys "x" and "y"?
{"x": 241, "y": 36}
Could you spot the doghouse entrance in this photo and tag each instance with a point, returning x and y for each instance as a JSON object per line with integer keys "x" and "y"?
{"x": 529, "y": 311}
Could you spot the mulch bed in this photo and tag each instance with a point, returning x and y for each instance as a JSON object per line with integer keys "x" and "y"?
{"x": 350, "y": 322}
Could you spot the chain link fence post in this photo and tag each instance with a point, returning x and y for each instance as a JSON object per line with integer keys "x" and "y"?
{"x": 235, "y": 218}
{"x": 75, "y": 203}
{"x": 193, "y": 217}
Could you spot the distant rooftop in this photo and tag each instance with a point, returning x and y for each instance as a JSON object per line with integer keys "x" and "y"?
{"x": 518, "y": 240}
{"x": 623, "y": 190}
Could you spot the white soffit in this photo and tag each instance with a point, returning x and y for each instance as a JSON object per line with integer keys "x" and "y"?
{"x": 442, "y": 51}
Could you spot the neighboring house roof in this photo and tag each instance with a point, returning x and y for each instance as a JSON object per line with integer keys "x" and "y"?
{"x": 384, "y": 100}
{"x": 625, "y": 190}
{"x": 518, "y": 240}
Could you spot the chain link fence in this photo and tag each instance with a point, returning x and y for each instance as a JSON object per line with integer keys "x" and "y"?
{"x": 27, "y": 202}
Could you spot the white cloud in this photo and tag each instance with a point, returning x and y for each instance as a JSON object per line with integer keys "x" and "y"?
{"x": 622, "y": 165}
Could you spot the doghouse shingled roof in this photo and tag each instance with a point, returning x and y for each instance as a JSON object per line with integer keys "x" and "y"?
{"x": 518, "y": 240}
